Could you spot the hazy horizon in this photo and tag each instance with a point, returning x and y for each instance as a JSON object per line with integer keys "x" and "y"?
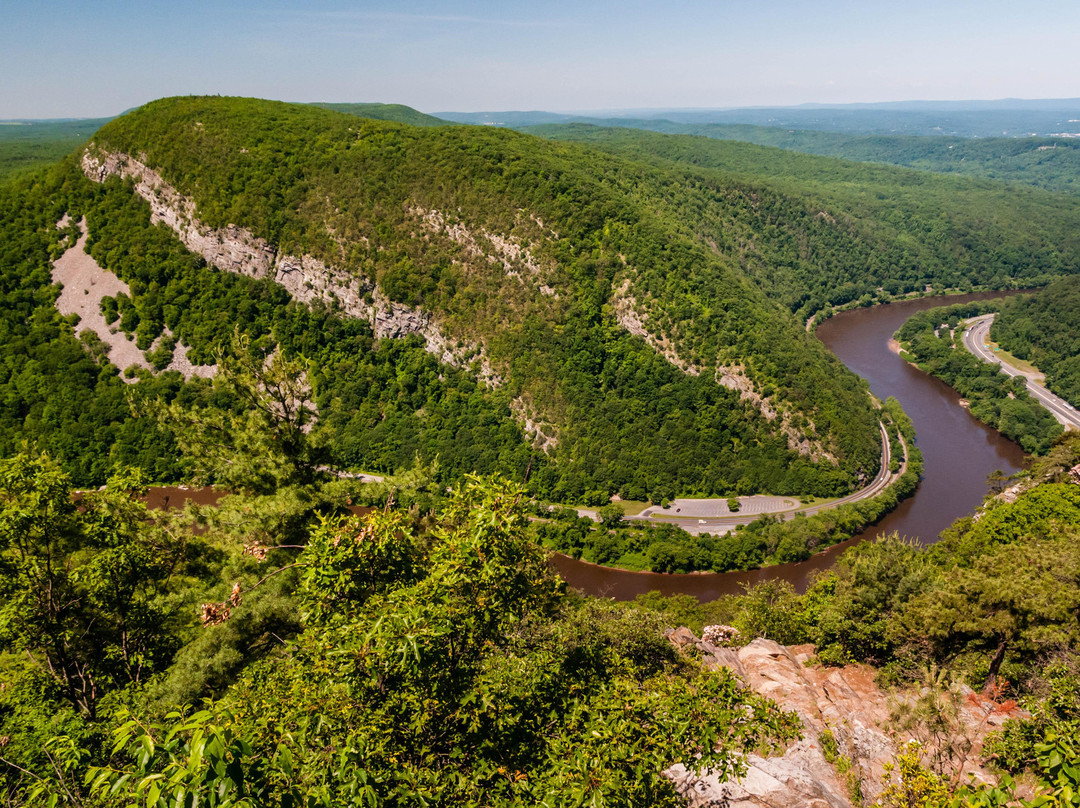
{"x": 958, "y": 104}
{"x": 73, "y": 60}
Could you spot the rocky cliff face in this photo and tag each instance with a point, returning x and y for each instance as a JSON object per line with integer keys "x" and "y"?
{"x": 733, "y": 377}
{"x": 851, "y": 730}
{"x": 307, "y": 279}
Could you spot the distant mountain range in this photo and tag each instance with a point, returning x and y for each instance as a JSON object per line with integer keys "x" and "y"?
{"x": 1004, "y": 118}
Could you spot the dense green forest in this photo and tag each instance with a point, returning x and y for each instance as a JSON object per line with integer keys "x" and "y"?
{"x": 932, "y": 339}
{"x": 842, "y": 231}
{"x": 445, "y": 600}
{"x": 704, "y": 253}
{"x": 276, "y": 168}
{"x": 314, "y": 640}
{"x": 639, "y": 545}
{"x": 383, "y": 402}
{"x": 426, "y": 654}
{"x": 1044, "y": 329}
{"x": 594, "y": 226}
{"x": 1045, "y": 162}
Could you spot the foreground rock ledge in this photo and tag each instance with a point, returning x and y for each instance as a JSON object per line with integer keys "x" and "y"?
{"x": 847, "y": 703}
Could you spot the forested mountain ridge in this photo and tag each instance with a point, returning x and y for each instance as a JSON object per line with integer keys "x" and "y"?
{"x": 842, "y": 231}
{"x": 1051, "y": 163}
{"x": 535, "y": 257}
{"x": 615, "y": 319}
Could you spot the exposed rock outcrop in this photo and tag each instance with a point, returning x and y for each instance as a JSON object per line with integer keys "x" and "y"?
{"x": 627, "y": 316}
{"x": 517, "y": 260}
{"x": 849, "y": 731}
{"x": 544, "y": 434}
{"x": 238, "y": 250}
{"x": 733, "y": 377}
{"x": 85, "y": 284}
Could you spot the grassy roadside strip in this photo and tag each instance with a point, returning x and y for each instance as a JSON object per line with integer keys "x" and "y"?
{"x": 1015, "y": 362}
{"x": 932, "y": 341}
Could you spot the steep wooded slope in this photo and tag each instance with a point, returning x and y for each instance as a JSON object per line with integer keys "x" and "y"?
{"x": 1045, "y": 162}
{"x": 839, "y": 231}
{"x": 637, "y": 353}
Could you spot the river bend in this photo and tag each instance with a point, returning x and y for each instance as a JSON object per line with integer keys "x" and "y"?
{"x": 958, "y": 454}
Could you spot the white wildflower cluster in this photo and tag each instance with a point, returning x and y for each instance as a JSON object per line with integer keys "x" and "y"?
{"x": 720, "y": 635}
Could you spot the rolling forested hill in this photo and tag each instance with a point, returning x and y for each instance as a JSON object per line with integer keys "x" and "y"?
{"x": 623, "y": 316}
{"x": 1052, "y": 163}
{"x": 386, "y": 112}
{"x": 842, "y": 231}
{"x": 27, "y": 145}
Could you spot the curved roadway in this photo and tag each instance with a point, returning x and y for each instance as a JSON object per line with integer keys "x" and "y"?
{"x": 976, "y": 339}
{"x": 724, "y": 524}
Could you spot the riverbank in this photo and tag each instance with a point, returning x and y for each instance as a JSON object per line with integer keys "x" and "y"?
{"x": 720, "y": 544}
{"x": 939, "y": 343}
{"x": 714, "y": 515}
{"x": 885, "y": 300}
{"x": 958, "y": 453}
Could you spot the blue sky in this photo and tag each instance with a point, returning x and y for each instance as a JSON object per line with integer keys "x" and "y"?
{"x": 99, "y": 57}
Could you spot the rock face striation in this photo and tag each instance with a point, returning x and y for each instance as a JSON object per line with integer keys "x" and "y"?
{"x": 849, "y": 730}
{"x": 309, "y": 280}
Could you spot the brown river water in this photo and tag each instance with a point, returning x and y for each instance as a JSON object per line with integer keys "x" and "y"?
{"x": 958, "y": 454}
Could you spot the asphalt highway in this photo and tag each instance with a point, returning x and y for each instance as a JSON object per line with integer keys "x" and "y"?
{"x": 976, "y": 338}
